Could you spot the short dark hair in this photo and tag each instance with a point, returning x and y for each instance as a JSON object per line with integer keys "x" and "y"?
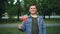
{"x": 32, "y": 5}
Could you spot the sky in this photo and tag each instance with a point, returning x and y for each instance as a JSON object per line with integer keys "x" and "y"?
{"x": 14, "y": 1}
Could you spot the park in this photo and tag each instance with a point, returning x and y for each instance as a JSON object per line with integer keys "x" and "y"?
{"x": 12, "y": 10}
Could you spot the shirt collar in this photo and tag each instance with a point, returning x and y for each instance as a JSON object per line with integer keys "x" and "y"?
{"x": 30, "y": 16}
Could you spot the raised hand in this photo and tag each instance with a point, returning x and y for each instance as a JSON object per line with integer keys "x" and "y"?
{"x": 24, "y": 18}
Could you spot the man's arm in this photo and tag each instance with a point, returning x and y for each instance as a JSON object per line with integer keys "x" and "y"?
{"x": 43, "y": 27}
{"x": 23, "y": 26}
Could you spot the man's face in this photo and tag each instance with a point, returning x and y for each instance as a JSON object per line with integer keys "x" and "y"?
{"x": 32, "y": 9}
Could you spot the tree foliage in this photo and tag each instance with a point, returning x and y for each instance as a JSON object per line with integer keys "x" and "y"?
{"x": 43, "y": 6}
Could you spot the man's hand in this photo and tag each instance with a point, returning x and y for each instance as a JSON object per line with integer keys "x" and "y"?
{"x": 20, "y": 26}
{"x": 24, "y": 18}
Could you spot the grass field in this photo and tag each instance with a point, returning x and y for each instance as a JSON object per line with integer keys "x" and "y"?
{"x": 49, "y": 30}
{"x": 48, "y": 21}
{"x": 10, "y": 31}
{"x": 52, "y": 21}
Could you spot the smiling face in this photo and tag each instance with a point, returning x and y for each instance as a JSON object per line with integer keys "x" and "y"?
{"x": 32, "y": 9}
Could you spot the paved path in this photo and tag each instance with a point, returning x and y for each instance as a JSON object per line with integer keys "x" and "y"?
{"x": 20, "y": 17}
{"x": 16, "y": 25}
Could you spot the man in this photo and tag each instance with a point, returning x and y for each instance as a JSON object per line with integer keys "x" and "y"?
{"x": 34, "y": 23}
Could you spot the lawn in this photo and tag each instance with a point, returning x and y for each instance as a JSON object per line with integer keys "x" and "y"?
{"x": 52, "y": 21}
{"x": 53, "y": 30}
{"x": 48, "y": 21}
{"x": 49, "y": 30}
{"x": 10, "y": 31}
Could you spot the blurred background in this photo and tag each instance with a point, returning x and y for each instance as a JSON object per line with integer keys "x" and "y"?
{"x": 12, "y": 10}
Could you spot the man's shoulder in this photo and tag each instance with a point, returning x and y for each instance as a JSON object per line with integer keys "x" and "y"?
{"x": 40, "y": 16}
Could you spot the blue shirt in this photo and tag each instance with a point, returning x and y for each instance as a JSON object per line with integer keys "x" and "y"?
{"x": 27, "y": 26}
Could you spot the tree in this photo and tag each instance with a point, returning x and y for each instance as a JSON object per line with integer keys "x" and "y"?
{"x": 2, "y": 8}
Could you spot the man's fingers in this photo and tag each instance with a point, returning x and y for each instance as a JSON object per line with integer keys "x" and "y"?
{"x": 24, "y": 18}
{"x": 20, "y": 26}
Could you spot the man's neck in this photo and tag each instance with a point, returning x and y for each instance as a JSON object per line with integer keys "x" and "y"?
{"x": 34, "y": 15}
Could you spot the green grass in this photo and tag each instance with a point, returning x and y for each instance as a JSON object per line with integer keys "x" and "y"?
{"x": 52, "y": 21}
{"x": 10, "y": 31}
{"x": 49, "y": 30}
{"x": 53, "y": 30}
{"x": 48, "y": 21}
{"x": 10, "y": 21}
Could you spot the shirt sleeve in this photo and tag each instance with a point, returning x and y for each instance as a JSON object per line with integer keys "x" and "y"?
{"x": 43, "y": 27}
